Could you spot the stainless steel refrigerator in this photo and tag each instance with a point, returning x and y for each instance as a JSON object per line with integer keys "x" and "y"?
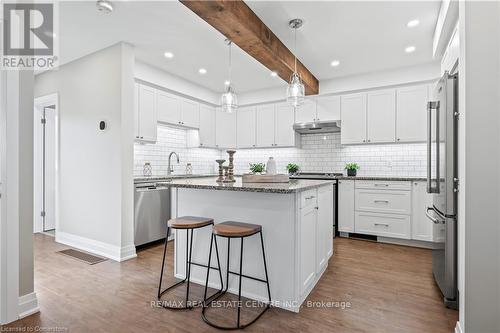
{"x": 442, "y": 182}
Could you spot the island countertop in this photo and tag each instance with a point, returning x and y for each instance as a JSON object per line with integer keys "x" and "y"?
{"x": 209, "y": 183}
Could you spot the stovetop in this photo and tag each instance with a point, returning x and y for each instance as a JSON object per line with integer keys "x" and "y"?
{"x": 317, "y": 175}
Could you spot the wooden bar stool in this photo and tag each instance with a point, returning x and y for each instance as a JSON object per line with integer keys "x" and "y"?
{"x": 188, "y": 223}
{"x": 231, "y": 229}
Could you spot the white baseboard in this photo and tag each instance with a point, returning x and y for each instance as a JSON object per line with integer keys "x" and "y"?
{"x": 458, "y": 328}
{"x": 112, "y": 252}
{"x": 27, "y": 305}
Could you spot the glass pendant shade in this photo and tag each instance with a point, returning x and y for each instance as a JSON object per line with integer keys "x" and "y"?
{"x": 229, "y": 100}
{"x": 295, "y": 91}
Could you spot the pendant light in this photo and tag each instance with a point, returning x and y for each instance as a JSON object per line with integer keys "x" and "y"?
{"x": 295, "y": 90}
{"x": 229, "y": 100}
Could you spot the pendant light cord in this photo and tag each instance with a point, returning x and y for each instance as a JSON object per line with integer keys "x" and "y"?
{"x": 295, "y": 46}
{"x": 230, "y": 63}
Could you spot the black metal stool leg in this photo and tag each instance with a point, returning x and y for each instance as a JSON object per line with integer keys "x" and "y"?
{"x": 208, "y": 270}
{"x": 188, "y": 272}
{"x": 265, "y": 268}
{"x": 239, "y": 289}
{"x": 227, "y": 267}
{"x": 218, "y": 293}
{"x": 163, "y": 262}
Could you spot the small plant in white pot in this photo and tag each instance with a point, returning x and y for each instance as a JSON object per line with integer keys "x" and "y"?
{"x": 257, "y": 168}
{"x": 351, "y": 169}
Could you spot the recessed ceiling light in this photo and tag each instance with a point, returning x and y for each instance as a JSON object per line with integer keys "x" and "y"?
{"x": 227, "y": 82}
{"x": 104, "y": 6}
{"x": 413, "y": 23}
{"x": 335, "y": 63}
{"x": 168, "y": 55}
{"x": 410, "y": 49}
{"x": 274, "y": 74}
{"x": 202, "y": 71}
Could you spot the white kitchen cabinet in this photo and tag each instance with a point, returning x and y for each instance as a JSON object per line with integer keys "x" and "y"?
{"x": 328, "y": 108}
{"x": 324, "y": 242}
{"x": 146, "y": 113}
{"x": 411, "y": 113}
{"x": 207, "y": 126}
{"x": 169, "y": 107}
{"x": 346, "y": 205}
{"x": 386, "y": 225}
{"x": 381, "y": 116}
{"x": 308, "y": 231}
{"x": 306, "y": 113}
{"x": 422, "y": 228}
{"x": 265, "y": 123}
{"x": 225, "y": 129}
{"x": 190, "y": 113}
{"x": 136, "y": 111}
{"x": 245, "y": 127}
{"x": 353, "y": 117}
{"x": 284, "y": 135}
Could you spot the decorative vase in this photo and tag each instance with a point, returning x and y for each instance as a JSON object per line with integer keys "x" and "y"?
{"x": 147, "y": 170}
{"x": 221, "y": 170}
{"x": 351, "y": 172}
{"x": 271, "y": 166}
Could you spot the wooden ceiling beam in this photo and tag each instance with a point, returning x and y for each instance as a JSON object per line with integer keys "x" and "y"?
{"x": 236, "y": 21}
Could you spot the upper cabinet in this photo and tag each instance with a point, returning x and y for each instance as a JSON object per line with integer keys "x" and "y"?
{"x": 284, "y": 135}
{"x": 225, "y": 129}
{"x": 381, "y": 116}
{"x": 190, "y": 113}
{"x": 411, "y": 115}
{"x": 176, "y": 110}
{"x": 306, "y": 113}
{"x": 328, "y": 108}
{"x": 145, "y": 113}
{"x": 265, "y": 122}
{"x": 353, "y": 116}
{"x": 207, "y": 126}
{"x": 246, "y": 127}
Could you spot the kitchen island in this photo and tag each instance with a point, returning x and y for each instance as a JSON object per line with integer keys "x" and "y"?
{"x": 297, "y": 226}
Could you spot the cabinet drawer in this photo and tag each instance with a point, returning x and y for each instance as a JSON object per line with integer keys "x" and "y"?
{"x": 383, "y": 185}
{"x": 383, "y": 201}
{"x": 308, "y": 198}
{"x": 387, "y": 225}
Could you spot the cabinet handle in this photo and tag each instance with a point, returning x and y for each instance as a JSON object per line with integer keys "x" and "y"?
{"x": 380, "y": 185}
{"x": 364, "y": 140}
{"x": 142, "y": 137}
{"x": 381, "y": 224}
{"x": 201, "y": 144}
{"x": 310, "y": 197}
{"x": 382, "y": 201}
{"x": 399, "y": 139}
{"x": 316, "y": 207}
{"x": 369, "y": 140}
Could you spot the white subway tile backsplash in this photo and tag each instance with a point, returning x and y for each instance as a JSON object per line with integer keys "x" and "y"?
{"x": 319, "y": 153}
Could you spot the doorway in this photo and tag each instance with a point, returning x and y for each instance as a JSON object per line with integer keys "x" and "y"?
{"x": 45, "y": 168}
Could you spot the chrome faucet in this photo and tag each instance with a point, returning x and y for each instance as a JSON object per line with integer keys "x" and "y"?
{"x": 169, "y": 168}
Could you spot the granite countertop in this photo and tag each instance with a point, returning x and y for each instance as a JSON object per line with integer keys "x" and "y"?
{"x": 167, "y": 178}
{"x": 209, "y": 183}
{"x": 387, "y": 178}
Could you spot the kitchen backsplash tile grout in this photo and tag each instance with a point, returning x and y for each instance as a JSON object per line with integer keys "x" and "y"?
{"x": 318, "y": 153}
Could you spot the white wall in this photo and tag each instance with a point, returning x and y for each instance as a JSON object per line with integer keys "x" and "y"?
{"x": 393, "y": 77}
{"x": 96, "y": 194}
{"x": 174, "y": 83}
{"x": 479, "y": 212}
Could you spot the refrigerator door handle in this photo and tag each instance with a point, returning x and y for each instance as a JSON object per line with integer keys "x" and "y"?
{"x": 430, "y": 217}
{"x": 432, "y": 106}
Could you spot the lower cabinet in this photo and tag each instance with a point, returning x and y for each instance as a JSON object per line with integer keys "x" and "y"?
{"x": 316, "y": 233}
{"x": 386, "y": 225}
{"x": 346, "y": 206}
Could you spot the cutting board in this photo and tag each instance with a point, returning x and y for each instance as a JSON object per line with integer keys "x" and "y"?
{"x": 279, "y": 178}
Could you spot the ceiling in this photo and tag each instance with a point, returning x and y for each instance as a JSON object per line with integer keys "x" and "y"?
{"x": 363, "y": 36}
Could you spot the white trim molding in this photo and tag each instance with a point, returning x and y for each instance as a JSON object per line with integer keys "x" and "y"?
{"x": 112, "y": 252}
{"x": 458, "y": 328}
{"x": 28, "y": 305}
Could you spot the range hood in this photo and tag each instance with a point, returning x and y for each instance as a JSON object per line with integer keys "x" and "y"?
{"x": 317, "y": 127}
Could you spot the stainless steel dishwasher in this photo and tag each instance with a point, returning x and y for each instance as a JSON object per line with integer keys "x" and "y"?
{"x": 151, "y": 212}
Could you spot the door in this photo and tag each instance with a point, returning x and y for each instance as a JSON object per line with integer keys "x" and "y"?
{"x": 169, "y": 108}
{"x": 306, "y": 113}
{"x": 328, "y": 108}
{"x": 381, "y": 116}
{"x": 353, "y": 117}
{"x": 265, "y": 125}
{"x": 147, "y": 113}
{"x": 207, "y": 126}
{"x": 410, "y": 115}
{"x": 245, "y": 127}
{"x": 308, "y": 226}
{"x": 225, "y": 129}
{"x": 190, "y": 113}
{"x": 47, "y": 156}
{"x": 284, "y": 134}
{"x": 325, "y": 226}
{"x": 346, "y": 205}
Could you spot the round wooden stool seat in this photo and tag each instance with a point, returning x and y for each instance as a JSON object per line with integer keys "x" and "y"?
{"x": 236, "y": 229}
{"x": 190, "y": 222}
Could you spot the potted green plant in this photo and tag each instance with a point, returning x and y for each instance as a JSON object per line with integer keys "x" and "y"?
{"x": 292, "y": 168}
{"x": 257, "y": 168}
{"x": 351, "y": 169}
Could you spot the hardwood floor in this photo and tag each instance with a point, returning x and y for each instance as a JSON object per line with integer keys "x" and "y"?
{"x": 390, "y": 288}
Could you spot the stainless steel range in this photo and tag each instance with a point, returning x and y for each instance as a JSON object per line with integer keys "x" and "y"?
{"x": 333, "y": 176}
